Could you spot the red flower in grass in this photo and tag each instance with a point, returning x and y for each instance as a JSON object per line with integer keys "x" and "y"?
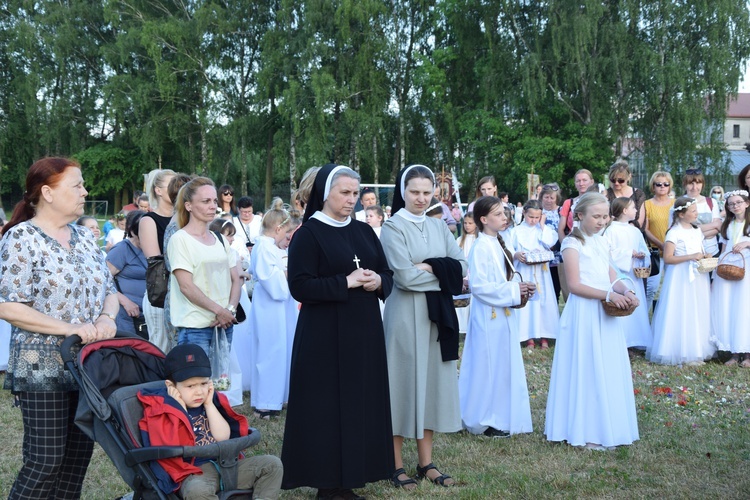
{"x": 663, "y": 391}
{"x": 636, "y": 391}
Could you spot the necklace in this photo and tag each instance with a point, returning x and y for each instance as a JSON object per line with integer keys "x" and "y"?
{"x": 421, "y": 230}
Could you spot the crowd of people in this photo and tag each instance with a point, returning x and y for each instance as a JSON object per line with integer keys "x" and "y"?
{"x": 356, "y": 315}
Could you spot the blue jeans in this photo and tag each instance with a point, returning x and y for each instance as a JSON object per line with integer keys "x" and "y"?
{"x": 203, "y": 337}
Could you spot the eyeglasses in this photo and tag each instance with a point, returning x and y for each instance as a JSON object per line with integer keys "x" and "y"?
{"x": 693, "y": 171}
{"x": 661, "y": 184}
{"x": 619, "y": 181}
{"x": 735, "y": 204}
{"x": 228, "y": 193}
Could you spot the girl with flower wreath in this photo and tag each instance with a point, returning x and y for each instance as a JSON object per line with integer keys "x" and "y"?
{"x": 730, "y": 315}
{"x": 682, "y": 320}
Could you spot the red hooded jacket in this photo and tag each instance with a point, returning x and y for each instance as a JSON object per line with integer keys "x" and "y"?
{"x": 166, "y": 423}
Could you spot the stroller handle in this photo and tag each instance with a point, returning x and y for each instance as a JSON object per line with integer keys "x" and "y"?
{"x": 228, "y": 448}
{"x": 66, "y": 349}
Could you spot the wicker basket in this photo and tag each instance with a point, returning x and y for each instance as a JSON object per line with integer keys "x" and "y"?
{"x": 642, "y": 272}
{"x": 612, "y": 310}
{"x": 461, "y": 302}
{"x": 524, "y": 296}
{"x": 707, "y": 265}
{"x": 731, "y": 272}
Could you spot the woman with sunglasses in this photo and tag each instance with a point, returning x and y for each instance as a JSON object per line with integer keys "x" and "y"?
{"x": 717, "y": 194}
{"x": 709, "y": 217}
{"x": 657, "y": 222}
{"x": 619, "y": 179}
{"x": 226, "y": 201}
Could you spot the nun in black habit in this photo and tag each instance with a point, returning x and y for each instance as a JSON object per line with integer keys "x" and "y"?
{"x": 338, "y": 427}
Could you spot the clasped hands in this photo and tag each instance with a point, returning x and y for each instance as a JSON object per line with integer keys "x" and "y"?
{"x": 365, "y": 278}
{"x": 103, "y": 328}
{"x": 623, "y": 300}
{"x": 527, "y": 288}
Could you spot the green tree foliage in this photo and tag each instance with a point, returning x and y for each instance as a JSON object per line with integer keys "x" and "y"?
{"x": 255, "y": 92}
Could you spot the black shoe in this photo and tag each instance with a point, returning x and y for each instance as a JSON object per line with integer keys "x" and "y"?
{"x": 495, "y": 433}
{"x": 338, "y": 494}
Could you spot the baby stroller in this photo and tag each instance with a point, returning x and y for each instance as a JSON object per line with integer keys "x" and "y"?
{"x": 110, "y": 373}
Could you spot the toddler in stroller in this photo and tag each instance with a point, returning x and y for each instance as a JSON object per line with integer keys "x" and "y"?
{"x": 166, "y": 438}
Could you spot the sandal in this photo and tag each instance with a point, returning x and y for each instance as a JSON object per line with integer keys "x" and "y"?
{"x": 545, "y": 344}
{"x": 733, "y": 360}
{"x": 440, "y": 480}
{"x": 530, "y": 344}
{"x": 408, "y": 484}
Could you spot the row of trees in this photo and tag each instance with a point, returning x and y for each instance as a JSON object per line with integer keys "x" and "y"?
{"x": 253, "y": 92}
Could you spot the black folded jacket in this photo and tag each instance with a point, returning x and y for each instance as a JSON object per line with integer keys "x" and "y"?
{"x": 440, "y": 304}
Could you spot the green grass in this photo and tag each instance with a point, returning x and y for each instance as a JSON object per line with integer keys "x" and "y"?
{"x": 694, "y": 443}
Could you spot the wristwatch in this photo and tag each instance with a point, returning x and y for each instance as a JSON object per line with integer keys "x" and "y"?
{"x": 232, "y": 309}
{"x": 109, "y": 315}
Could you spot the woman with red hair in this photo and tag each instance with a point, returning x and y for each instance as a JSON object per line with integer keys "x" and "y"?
{"x": 53, "y": 283}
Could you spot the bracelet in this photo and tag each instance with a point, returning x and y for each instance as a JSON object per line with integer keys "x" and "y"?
{"x": 109, "y": 315}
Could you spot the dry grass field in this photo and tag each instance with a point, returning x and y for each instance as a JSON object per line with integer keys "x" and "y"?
{"x": 695, "y": 443}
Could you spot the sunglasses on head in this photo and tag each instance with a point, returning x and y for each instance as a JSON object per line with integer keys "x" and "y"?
{"x": 619, "y": 181}
{"x": 551, "y": 187}
{"x": 661, "y": 184}
{"x": 693, "y": 171}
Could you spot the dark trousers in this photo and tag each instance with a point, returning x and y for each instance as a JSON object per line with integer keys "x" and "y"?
{"x": 56, "y": 452}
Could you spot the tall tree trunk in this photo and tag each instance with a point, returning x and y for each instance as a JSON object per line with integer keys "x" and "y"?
{"x": 353, "y": 162}
{"x": 243, "y": 165}
{"x": 204, "y": 150}
{"x": 336, "y": 124}
{"x": 190, "y": 153}
{"x": 269, "y": 152}
{"x": 375, "y": 167}
{"x": 292, "y": 162}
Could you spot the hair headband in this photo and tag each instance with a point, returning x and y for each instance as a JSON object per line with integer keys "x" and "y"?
{"x": 685, "y": 206}
{"x": 736, "y": 192}
{"x": 329, "y": 179}
{"x": 403, "y": 176}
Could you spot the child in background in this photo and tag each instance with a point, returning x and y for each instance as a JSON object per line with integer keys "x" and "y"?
{"x": 507, "y": 232}
{"x": 374, "y": 216}
{"x": 681, "y": 324}
{"x": 108, "y": 226}
{"x": 188, "y": 412}
{"x": 465, "y": 241}
{"x": 227, "y": 230}
{"x": 492, "y": 387}
{"x": 540, "y": 318}
{"x": 730, "y": 314}
{"x": 116, "y": 234}
{"x": 271, "y": 316}
{"x": 591, "y": 402}
{"x": 629, "y": 250}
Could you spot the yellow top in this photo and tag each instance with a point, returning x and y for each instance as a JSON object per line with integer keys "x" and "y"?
{"x": 658, "y": 218}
